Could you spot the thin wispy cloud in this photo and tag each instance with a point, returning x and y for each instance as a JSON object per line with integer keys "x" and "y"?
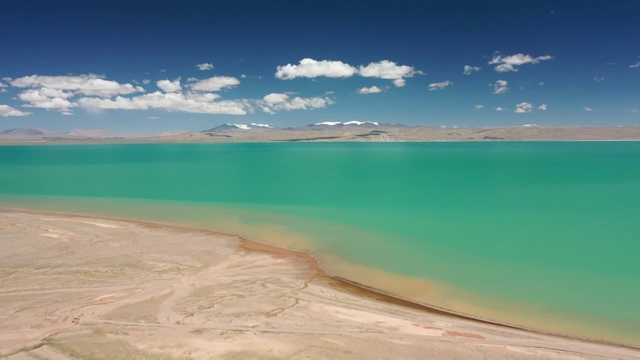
{"x": 205, "y": 66}
{"x": 439, "y": 85}
{"x": 500, "y": 87}
{"x": 479, "y": 107}
{"x": 468, "y": 70}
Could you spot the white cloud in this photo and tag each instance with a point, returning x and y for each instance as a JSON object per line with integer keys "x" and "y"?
{"x": 369, "y": 90}
{"x": 146, "y": 81}
{"x": 586, "y": 108}
{"x": 6, "y": 111}
{"x": 479, "y": 107}
{"x": 500, "y": 87}
{"x": 470, "y": 69}
{"x": 523, "y": 107}
{"x": 91, "y": 85}
{"x": 389, "y": 70}
{"x": 440, "y": 85}
{"x": 636, "y": 65}
{"x": 598, "y": 78}
{"x": 633, "y": 111}
{"x": 191, "y": 102}
{"x": 543, "y": 107}
{"x": 509, "y": 63}
{"x": 169, "y": 86}
{"x": 275, "y": 102}
{"x": 215, "y": 83}
{"x": 153, "y": 117}
{"x": 45, "y": 98}
{"x": 205, "y": 66}
{"x": 310, "y": 68}
{"x": 499, "y": 108}
{"x": 2, "y": 85}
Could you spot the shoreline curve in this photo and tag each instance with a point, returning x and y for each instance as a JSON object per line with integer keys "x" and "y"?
{"x": 332, "y": 280}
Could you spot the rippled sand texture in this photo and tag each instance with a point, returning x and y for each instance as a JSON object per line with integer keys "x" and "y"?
{"x": 76, "y": 287}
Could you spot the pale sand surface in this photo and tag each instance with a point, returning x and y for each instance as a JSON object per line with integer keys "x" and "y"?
{"x": 74, "y": 287}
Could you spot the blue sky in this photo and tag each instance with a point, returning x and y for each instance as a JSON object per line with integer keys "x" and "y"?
{"x": 134, "y": 67}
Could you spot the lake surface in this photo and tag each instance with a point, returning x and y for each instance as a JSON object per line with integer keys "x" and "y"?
{"x": 540, "y": 234}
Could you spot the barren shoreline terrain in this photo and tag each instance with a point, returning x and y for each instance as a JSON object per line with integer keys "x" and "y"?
{"x": 348, "y": 133}
{"x": 83, "y": 287}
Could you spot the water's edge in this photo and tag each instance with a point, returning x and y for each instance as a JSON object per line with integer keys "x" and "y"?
{"x": 332, "y": 279}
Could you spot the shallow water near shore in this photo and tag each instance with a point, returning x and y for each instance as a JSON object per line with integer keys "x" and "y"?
{"x": 542, "y": 235}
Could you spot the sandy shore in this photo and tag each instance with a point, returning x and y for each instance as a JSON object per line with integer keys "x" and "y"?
{"x": 84, "y": 287}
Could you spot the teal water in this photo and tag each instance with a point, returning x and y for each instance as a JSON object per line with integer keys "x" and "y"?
{"x": 545, "y": 234}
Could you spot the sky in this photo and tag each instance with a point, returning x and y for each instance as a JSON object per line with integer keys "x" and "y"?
{"x": 153, "y": 66}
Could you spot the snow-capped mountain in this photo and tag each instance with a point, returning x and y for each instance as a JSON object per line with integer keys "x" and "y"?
{"x": 348, "y": 123}
{"x": 229, "y": 126}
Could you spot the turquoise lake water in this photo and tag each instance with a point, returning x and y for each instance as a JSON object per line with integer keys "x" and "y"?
{"x": 541, "y": 234}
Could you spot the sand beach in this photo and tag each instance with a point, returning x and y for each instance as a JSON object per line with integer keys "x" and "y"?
{"x": 75, "y": 287}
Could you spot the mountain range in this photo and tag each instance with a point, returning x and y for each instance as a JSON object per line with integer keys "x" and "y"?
{"x": 352, "y": 131}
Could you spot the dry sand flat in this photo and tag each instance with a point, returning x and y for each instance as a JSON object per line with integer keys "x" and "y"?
{"x": 74, "y": 287}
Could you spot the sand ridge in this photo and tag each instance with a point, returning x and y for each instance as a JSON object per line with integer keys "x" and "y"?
{"x": 103, "y": 288}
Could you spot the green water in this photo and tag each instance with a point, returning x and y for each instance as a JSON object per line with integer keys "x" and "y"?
{"x": 550, "y": 227}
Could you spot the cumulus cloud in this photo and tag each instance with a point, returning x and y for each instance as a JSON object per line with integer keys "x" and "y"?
{"x": 205, "y": 66}
{"x": 310, "y": 68}
{"x": 500, "y": 108}
{"x": 6, "y": 111}
{"x": 440, "y": 85}
{"x": 191, "y": 102}
{"x": 500, "y": 87}
{"x": 510, "y": 62}
{"x": 479, "y": 107}
{"x": 586, "y": 108}
{"x": 370, "y": 90}
{"x": 523, "y": 108}
{"x": 275, "y": 102}
{"x": 169, "y": 86}
{"x": 215, "y": 83}
{"x": 543, "y": 107}
{"x": 470, "y": 69}
{"x": 389, "y": 70}
{"x": 90, "y": 85}
{"x": 45, "y": 98}
{"x": 636, "y": 65}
